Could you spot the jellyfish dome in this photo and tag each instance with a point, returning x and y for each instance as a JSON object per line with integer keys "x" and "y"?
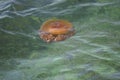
{"x": 54, "y": 30}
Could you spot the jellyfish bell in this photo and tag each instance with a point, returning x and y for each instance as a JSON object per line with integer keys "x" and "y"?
{"x": 56, "y": 30}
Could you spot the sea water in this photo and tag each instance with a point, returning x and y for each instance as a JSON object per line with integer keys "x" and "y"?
{"x": 93, "y": 53}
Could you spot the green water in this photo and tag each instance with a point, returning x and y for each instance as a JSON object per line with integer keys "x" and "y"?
{"x": 93, "y": 53}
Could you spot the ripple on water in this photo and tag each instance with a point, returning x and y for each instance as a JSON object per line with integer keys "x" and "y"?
{"x": 92, "y": 54}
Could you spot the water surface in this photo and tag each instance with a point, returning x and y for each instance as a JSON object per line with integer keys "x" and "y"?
{"x": 93, "y": 53}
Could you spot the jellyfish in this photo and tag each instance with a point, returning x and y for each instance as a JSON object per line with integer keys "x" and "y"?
{"x": 55, "y": 30}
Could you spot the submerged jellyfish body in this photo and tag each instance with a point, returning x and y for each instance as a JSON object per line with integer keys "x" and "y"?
{"x": 56, "y": 30}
